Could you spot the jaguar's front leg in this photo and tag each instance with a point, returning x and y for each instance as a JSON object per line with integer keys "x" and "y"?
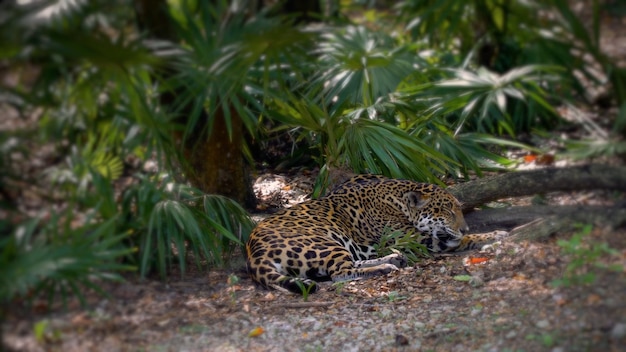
{"x": 361, "y": 269}
{"x": 478, "y": 240}
{"x": 396, "y": 259}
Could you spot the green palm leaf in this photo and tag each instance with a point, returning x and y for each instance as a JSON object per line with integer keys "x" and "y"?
{"x": 376, "y": 147}
{"x": 357, "y": 66}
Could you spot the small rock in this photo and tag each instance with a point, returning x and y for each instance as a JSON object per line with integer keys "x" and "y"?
{"x": 542, "y": 324}
{"x": 476, "y": 281}
{"x": 385, "y": 313}
{"x": 501, "y": 320}
{"x": 618, "y": 331}
{"x": 401, "y": 340}
{"x": 510, "y": 334}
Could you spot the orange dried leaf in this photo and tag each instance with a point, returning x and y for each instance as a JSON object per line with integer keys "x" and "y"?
{"x": 593, "y": 299}
{"x": 477, "y": 260}
{"x": 530, "y": 158}
{"x": 256, "y": 332}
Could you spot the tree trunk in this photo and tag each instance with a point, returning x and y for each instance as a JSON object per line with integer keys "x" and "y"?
{"x": 215, "y": 163}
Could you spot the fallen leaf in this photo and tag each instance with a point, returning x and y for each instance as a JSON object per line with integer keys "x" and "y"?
{"x": 477, "y": 260}
{"x": 81, "y": 319}
{"x": 256, "y": 332}
{"x": 462, "y": 277}
{"x": 340, "y": 323}
{"x": 543, "y": 159}
{"x": 593, "y": 299}
{"x": 530, "y": 158}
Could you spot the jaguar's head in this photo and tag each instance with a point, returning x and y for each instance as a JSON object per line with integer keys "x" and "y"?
{"x": 435, "y": 211}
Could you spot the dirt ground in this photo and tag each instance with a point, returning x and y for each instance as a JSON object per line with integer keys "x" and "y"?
{"x": 502, "y": 299}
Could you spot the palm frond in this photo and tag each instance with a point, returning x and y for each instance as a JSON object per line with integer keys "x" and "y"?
{"x": 376, "y": 147}
{"x": 485, "y": 101}
{"x": 37, "y": 257}
{"x": 183, "y": 220}
{"x": 221, "y": 49}
{"x": 358, "y": 66}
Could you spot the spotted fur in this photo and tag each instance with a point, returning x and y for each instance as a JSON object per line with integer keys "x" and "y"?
{"x": 333, "y": 238}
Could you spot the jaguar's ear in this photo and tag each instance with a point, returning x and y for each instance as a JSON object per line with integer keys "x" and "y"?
{"x": 416, "y": 199}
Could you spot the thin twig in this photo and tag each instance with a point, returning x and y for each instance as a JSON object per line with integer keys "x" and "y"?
{"x": 305, "y": 304}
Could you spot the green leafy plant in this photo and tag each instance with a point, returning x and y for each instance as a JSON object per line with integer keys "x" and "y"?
{"x": 404, "y": 243}
{"x": 547, "y": 339}
{"x": 339, "y": 285}
{"x": 232, "y": 281}
{"x": 358, "y": 66}
{"x": 44, "y": 333}
{"x": 487, "y": 102}
{"x": 54, "y": 257}
{"x": 501, "y": 35}
{"x": 101, "y": 118}
{"x": 430, "y": 102}
{"x": 584, "y": 254}
{"x": 345, "y": 110}
{"x": 174, "y": 221}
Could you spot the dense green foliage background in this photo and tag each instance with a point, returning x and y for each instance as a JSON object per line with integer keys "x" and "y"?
{"x": 412, "y": 89}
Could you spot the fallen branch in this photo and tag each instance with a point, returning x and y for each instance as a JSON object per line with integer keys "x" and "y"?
{"x": 523, "y": 183}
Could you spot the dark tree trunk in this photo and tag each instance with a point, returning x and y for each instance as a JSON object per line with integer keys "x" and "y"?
{"x": 215, "y": 163}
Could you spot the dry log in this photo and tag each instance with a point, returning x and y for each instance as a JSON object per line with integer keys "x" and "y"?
{"x": 522, "y": 183}
{"x": 532, "y": 222}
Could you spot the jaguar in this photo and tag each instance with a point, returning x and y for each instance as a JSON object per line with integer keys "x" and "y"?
{"x": 335, "y": 237}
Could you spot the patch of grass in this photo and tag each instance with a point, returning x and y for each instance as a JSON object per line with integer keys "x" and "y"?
{"x": 305, "y": 289}
{"x": 233, "y": 280}
{"x": 405, "y": 243}
{"x": 45, "y": 333}
{"x": 192, "y": 329}
{"x": 584, "y": 253}
{"x": 547, "y": 339}
{"x": 339, "y": 286}
{"x": 394, "y": 296}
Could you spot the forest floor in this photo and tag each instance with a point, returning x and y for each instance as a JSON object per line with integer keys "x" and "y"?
{"x": 504, "y": 299}
{"x": 563, "y": 293}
